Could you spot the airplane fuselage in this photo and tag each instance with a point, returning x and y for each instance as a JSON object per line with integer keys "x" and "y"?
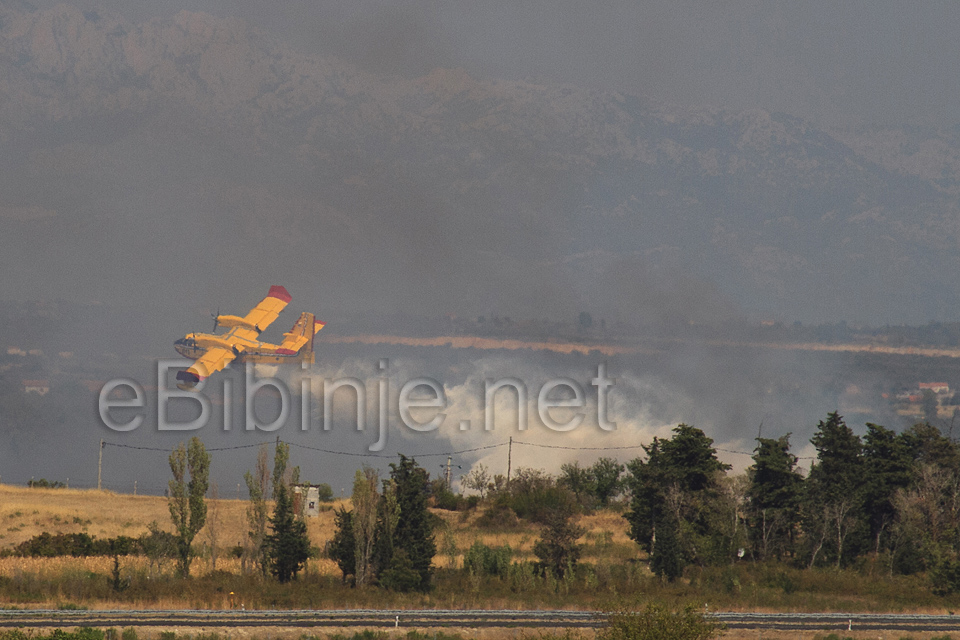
{"x": 194, "y": 345}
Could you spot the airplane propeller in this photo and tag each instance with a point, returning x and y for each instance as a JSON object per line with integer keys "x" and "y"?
{"x": 216, "y": 319}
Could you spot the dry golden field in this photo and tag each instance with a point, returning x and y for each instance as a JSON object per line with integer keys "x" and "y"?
{"x": 26, "y": 512}
{"x": 615, "y": 569}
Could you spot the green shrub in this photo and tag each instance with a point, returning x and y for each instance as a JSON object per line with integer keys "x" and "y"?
{"x": 566, "y": 634}
{"x": 78, "y": 545}
{"x": 481, "y": 560}
{"x": 946, "y": 577}
{"x": 43, "y": 483}
{"x": 444, "y": 498}
{"x": 324, "y": 492}
{"x": 535, "y": 496}
{"x": 656, "y": 622}
{"x": 437, "y": 635}
{"x": 522, "y": 576}
{"x": 498, "y": 516}
{"x": 908, "y": 559}
{"x": 400, "y": 575}
{"x": 366, "y": 634}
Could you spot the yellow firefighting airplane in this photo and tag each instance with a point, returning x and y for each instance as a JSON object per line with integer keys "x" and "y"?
{"x": 213, "y": 352}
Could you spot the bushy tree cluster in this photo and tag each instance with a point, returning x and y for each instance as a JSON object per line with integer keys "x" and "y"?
{"x": 533, "y": 495}
{"x": 595, "y": 485}
{"x": 676, "y": 500}
{"x": 388, "y": 537}
{"x": 894, "y": 495}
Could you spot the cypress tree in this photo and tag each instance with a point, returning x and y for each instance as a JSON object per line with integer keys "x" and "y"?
{"x": 288, "y": 546}
{"x": 414, "y": 531}
{"x": 343, "y": 546}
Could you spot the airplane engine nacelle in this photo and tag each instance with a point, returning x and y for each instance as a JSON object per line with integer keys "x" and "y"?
{"x": 236, "y": 321}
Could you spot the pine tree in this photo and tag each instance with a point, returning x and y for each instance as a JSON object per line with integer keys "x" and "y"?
{"x": 833, "y": 501}
{"x": 888, "y": 468}
{"x": 674, "y": 482}
{"x": 773, "y": 509}
{"x": 288, "y": 547}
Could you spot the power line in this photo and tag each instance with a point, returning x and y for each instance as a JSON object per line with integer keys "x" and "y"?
{"x": 556, "y": 446}
{"x": 322, "y": 450}
{"x": 128, "y": 446}
{"x": 421, "y": 455}
{"x": 383, "y": 455}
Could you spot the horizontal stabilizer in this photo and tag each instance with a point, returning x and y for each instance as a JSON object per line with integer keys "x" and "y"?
{"x": 301, "y": 335}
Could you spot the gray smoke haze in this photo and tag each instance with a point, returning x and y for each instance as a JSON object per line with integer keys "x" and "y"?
{"x": 160, "y": 160}
{"x": 861, "y": 62}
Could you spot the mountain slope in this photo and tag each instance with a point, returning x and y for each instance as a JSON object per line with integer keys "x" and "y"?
{"x": 136, "y": 155}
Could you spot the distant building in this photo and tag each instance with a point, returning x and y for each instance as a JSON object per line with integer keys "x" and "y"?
{"x": 15, "y": 351}
{"x": 39, "y": 387}
{"x": 306, "y": 500}
{"x": 939, "y": 388}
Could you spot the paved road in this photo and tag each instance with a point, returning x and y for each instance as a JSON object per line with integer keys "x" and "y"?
{"x": 386, "y": 618}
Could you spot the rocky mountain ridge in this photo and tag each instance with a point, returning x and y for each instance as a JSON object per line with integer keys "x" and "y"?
{"x": 449, "y": 191}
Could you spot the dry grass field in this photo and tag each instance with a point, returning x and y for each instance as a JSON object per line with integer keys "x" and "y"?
{"x": 27, "y": 512}
{"x": 614, "y": 568}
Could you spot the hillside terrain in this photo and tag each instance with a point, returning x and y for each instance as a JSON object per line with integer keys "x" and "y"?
{"x": 170, "y": 133}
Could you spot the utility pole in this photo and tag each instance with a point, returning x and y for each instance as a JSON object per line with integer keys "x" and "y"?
{"x": 100, "y": 466}
{"x": 509, "y": 457}
{"x": 446, "y": 476}
{"x": 134, "y": 487}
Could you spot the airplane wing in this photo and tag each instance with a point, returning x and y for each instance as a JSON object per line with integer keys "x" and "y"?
{"x": 267, "y": 311}
{"x": 209, "y": 363}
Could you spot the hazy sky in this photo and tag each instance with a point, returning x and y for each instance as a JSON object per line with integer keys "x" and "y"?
{"x": 865, "y": 61}
{"x": 172, "y": 208}
{"x": 160, "y": 187}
